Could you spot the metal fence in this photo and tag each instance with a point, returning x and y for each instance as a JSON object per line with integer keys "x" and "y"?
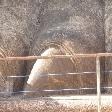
{"x": 97, "y": 56}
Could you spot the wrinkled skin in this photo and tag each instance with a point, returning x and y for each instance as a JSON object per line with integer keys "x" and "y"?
{"x": 68, "y": 26}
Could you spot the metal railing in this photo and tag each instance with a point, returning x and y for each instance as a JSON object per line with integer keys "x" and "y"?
{"x": 97, "y": 56}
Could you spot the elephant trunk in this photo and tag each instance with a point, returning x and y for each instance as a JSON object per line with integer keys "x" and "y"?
{"x": 39, "y": 67}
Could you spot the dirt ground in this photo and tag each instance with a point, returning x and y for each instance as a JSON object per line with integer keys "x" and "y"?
{"x": 56, "y": 104}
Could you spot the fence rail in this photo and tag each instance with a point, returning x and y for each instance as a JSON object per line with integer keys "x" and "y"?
{"x": 57, "y": 56}
{"x": 64, "y": 74}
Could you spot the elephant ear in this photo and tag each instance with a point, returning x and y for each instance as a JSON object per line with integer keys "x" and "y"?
{"x": 43, "y": 67}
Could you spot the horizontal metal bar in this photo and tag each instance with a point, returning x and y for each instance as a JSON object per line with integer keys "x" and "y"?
{"x": 60, "y": 74}
{"x": 57, "y": 56}
{"x": 17, "y": 76}
{"x": 57, "y": 90}
{"x": 37, "y": 57}
{"x": 77, "y": 89}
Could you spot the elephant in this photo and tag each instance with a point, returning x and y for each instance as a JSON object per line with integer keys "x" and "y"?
{"x": 67, "y": 27}
{"x": 19, "y": 23}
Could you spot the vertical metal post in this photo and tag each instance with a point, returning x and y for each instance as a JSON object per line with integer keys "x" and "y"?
{"x": 9, "y": 86}
{"x": 98, "y": 83}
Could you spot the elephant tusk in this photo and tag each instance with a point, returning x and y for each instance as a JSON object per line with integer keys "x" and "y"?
{"x": 39, "y": 67}
{"x": 35, "y": 74}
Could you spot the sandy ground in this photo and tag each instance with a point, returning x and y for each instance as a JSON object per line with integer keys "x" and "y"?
{"x": 56, "y": 104}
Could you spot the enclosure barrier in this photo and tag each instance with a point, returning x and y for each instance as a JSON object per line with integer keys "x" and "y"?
{"x": 97, "y": 56}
